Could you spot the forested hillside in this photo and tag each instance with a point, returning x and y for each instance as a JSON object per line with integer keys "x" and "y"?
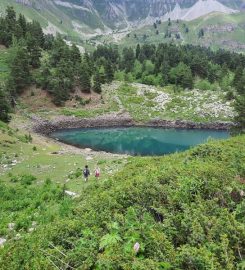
{"x": 60, "y": 69}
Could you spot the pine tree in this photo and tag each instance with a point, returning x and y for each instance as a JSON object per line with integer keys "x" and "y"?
{"x": 61, "y": 83}
{"x": 109, "y": 73}
{"x": 19, "y": 68}
{"x": 43, "y": 76}
{"x": 97, "y": 82}
{"x": 238, "y": 77}
{"x": 201, "y": 33}
{"x": 4, "y": 106}
{"x": 181, "y": 75}
{"x": 36, "y": 32}
{"x": 34, "y": 51}
{"x": 137, "y": 53}
{"x": 88, "y": 62}
{"x": 23, "y": 24}
{"x": 169, "y": 22}
{"x": 75, "y": 55}
{"x": 128, "y": 59}
{"x": 85, "y": 79}
{"x": 9, "y": 24}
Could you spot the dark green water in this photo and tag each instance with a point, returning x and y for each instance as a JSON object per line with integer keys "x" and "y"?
{"x": 137, "y": 140}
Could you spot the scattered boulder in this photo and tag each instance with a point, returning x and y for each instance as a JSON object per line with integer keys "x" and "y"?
{"x": 72, "y": 194}
{"x": 2, "y": 241}
{"x": 11, "y": 226}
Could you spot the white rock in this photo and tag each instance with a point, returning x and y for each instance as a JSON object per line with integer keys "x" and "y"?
{"x": 34, "y": 224}
{"x": 18, "y": 236}
{"x": 72, "y": 194}
{"x": 11, "y": 226}
{"x": 2, "y": 241}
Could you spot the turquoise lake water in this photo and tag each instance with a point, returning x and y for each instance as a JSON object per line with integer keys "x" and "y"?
{"x": 142, "y": 141}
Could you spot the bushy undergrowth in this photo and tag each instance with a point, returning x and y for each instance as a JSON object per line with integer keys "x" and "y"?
{"x": 185, "y": 210}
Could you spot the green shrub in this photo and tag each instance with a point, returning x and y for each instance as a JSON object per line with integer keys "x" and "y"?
{"x": 203, "y": 85}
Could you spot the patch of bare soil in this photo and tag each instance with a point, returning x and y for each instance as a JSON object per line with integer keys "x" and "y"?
{"x": 36, "y": 99}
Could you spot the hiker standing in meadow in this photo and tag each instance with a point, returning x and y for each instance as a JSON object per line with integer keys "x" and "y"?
{"x": 97, "y": 172}
{"x": 86, "y": 173}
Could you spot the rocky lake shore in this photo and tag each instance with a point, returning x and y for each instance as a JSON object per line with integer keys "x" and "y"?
{"x": 46, "y": 127}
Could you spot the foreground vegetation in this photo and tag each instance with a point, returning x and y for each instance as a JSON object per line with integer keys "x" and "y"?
{"x": 185, "y": 210}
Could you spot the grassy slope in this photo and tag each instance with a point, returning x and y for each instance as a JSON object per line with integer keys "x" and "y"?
{"x": 140, "y": 101}
{"x": 19, "y": 158}
{"x": 212, "y": 39}
{"x": 149, "y": 201}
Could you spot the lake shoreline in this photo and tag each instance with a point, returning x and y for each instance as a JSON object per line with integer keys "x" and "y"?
{"x": 46, "y": 127}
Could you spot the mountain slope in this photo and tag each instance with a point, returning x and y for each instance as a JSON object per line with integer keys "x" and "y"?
{"x": 220, "y": 31}
{"x": 85, "y": 16}
{"x": 111, "y": 20}
{"x": 199, "y": 9}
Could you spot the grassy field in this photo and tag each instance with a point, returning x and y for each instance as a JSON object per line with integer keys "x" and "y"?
{"x": 44, "y": 158}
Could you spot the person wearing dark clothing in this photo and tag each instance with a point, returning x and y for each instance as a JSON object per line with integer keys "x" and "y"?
{"x": 86, "y": 173}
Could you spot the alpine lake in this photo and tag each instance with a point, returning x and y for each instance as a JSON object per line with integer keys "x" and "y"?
{"x": 137, "y": 141}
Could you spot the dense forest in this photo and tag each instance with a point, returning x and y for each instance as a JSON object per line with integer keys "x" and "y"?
{"x": 58, "y": 68}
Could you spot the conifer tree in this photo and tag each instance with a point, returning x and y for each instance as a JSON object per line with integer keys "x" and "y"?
{"x": 128, "y": 59}
{"x": 34, "y": 51}
{"x": 75, "y": 54}
{"x": 36, "y": 32}
{"x": 109, "y": 73}
{"x": 237, "y": 81}
{"x": 8, "y": 25}
{"x": 61, "y": 83}
{"x": 75, "y": 58}
{"x": 137, "y": 53}
{"x": 4, "y": 106}
{"x": 85, "y": 79}
{"x": 23, "y": 24}
{"x": 89, "y": 64}
{"x": 97, "y": 82}
{"x": 19, "y": 68}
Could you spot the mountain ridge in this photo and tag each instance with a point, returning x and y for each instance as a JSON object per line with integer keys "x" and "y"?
{"x": 80, "y": 21}
{"x": 121, "y": 14}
